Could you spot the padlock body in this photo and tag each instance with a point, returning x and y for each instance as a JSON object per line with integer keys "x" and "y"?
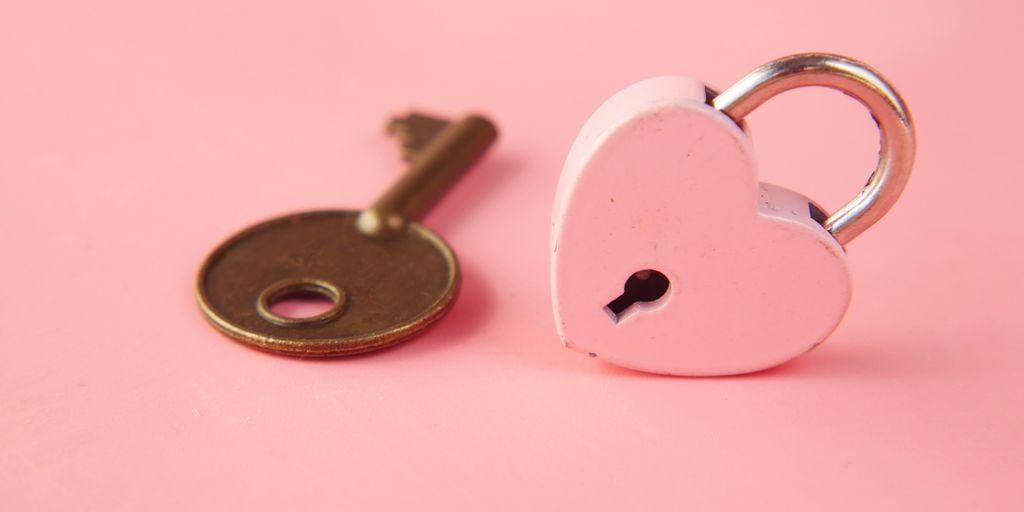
{"x": 658, "y": 180}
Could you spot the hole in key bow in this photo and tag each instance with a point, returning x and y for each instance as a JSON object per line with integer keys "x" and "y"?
{"x": 642, "y": 288}
{"x": 300, "y": 301}
{"x": 302, "y": 304}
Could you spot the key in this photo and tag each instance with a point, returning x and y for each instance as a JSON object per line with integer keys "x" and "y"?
{"x": 385, "y": 276}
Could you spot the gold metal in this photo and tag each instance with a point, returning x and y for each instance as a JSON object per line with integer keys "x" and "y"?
{"x": 436, "y": 165}
{"x": 386, "y": 286}
{"x": 856, "y": 79}
{"x": 297, "y": 287}
{"x": 415, "y": 132}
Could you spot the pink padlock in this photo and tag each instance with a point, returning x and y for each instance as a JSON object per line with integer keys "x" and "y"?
{"x": 669, "y": 256}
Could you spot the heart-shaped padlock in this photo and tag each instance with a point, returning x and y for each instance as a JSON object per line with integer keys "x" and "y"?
{"x": 668, "y": 254}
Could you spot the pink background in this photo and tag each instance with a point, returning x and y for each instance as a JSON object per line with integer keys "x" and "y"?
{"x": 134, "y": 137}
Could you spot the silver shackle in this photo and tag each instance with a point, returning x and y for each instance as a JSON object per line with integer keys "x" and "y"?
{"x": 896, "y": 156}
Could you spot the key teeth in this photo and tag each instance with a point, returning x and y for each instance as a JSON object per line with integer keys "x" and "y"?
{"x": 415, "y": 132}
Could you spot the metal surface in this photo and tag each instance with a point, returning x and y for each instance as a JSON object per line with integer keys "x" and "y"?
{"x": 896, "y": 156}
{"x": 384, "y": 286}
{"x": 393, "y": 287}
{"x": 435, "y": 166}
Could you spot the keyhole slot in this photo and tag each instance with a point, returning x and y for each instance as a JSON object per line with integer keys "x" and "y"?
{"x": 642, "y": 288}
{"x": 300, "y": 301}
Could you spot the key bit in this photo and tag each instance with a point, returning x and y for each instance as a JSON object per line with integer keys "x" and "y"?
{"x": 415, "y": 132}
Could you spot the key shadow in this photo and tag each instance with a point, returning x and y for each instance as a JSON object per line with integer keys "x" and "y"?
{"x": 472, "y": 192}
{"x": 472, "y": 310}
{"x": 475, "y": 304}
{"x": 473, "y": 307}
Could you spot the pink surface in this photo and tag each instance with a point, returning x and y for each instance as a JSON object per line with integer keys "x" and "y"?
{"x": 658, "y": 179}
{"x": 133, "y": 138}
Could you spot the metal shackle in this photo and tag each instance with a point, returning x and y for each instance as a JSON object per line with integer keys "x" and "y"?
{"x": 856, "y": 79}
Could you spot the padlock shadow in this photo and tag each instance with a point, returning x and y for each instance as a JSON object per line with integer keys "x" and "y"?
{"x": 844, "y": 359}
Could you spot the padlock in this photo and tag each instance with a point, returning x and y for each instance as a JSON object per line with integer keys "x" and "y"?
{"x": 668, "y": 254}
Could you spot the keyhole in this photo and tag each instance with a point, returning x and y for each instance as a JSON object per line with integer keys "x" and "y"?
{"x": 643, "y": 287}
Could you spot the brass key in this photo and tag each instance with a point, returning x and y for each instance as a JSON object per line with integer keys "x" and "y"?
{"x": 386, "y": 276}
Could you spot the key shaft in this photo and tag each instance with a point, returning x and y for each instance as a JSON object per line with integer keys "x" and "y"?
{"x": 433, "y": 170}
